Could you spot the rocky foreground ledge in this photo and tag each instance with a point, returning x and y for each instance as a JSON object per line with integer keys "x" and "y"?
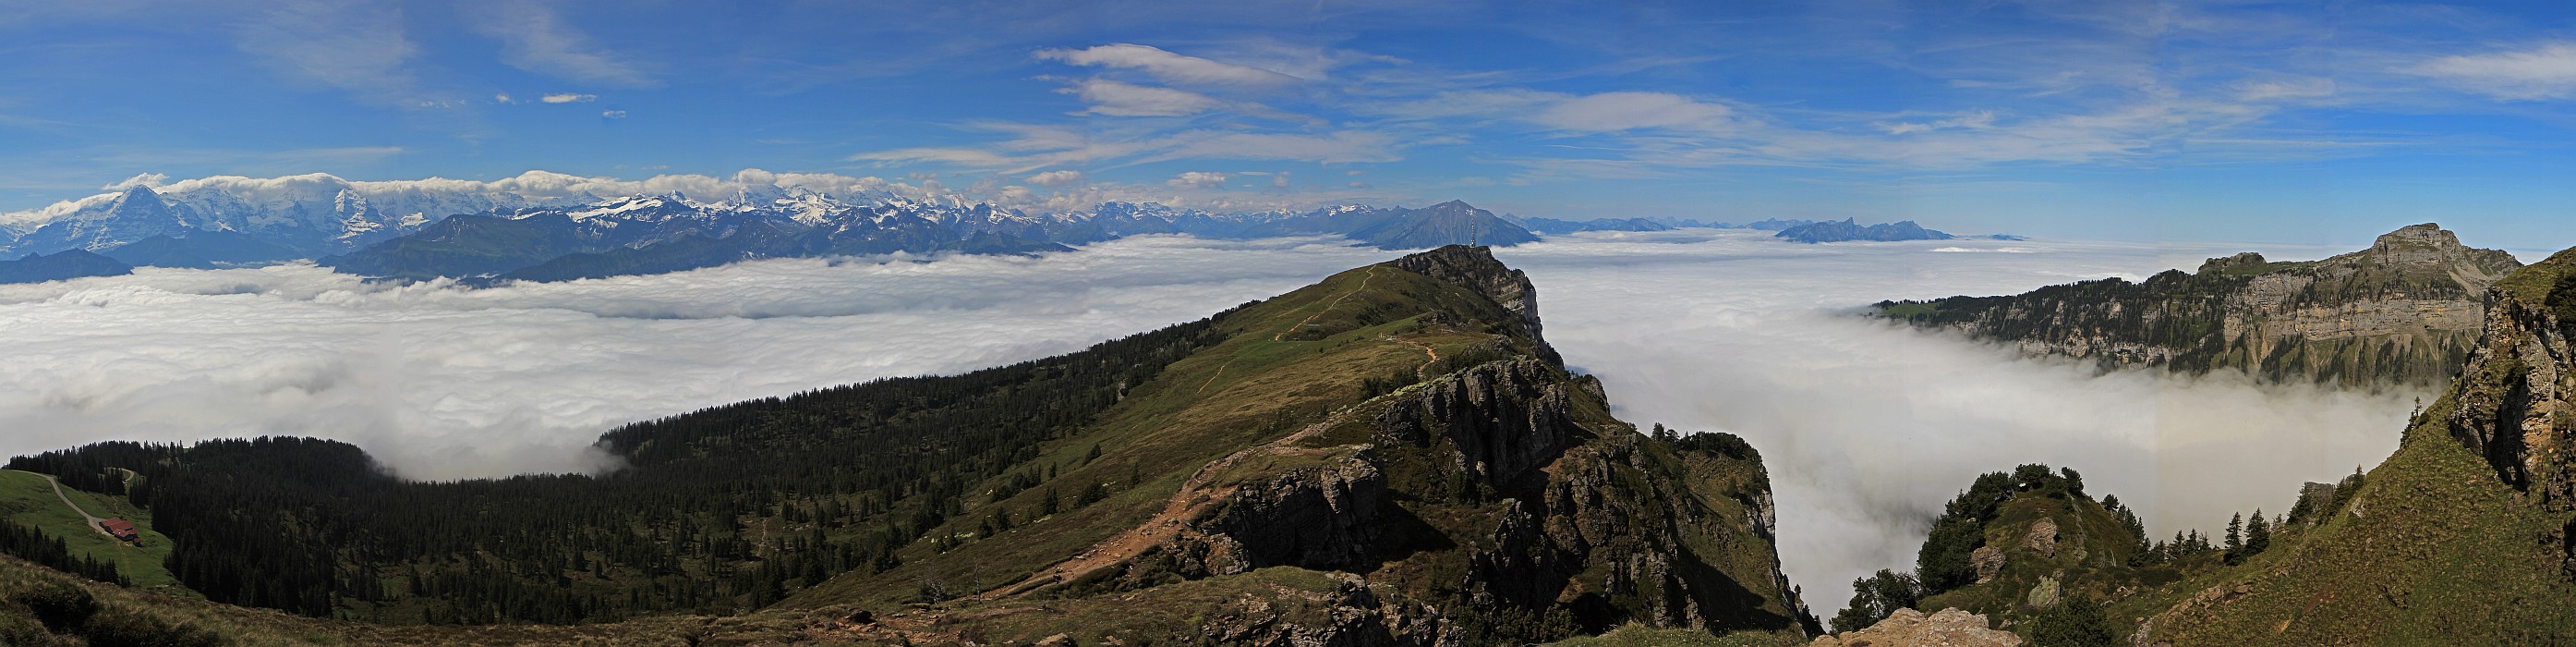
{"x": 1910, "y": 628}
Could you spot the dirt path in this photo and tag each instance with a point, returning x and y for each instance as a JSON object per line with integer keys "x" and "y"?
{"x": 1301, "y": 325}
{"x": 91, "y": 521}
{"x": 1220, "y": 372}
{"x": 1426, "y": 350}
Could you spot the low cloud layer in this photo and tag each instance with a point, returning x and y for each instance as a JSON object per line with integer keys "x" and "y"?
{"x": 1866, "y": 427}
{"x": 440, "y": 382}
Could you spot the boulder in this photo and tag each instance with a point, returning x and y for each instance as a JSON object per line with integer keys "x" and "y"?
{"x": 2044, "y": 594}
{"x": 1989, "y": 561}
{"x": 2042, "y": 539}
{"x": 1908, "y": 628}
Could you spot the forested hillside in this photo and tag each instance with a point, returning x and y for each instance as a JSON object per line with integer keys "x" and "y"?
{"x": 726, "y": 508}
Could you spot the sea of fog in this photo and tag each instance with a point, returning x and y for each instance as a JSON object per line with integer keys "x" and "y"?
{"x": 1866, "y": 427}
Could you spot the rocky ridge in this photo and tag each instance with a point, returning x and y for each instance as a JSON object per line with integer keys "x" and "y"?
{"x": 2515, "y": 405}
{"x": 1493, "y": 500}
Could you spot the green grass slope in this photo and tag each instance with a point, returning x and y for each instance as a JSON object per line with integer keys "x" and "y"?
{"x": 2433, "y": 550}
{"x": 29, "y": 499}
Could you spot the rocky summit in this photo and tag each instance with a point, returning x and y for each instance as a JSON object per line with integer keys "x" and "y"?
{"x": 2403, "y": 313}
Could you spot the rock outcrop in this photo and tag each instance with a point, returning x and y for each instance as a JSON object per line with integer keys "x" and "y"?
{"x": 2513, "y": 402}
{"x": 2404, "y": 312}
{"x": 1350, "y": 615}
{"x": 1911, "y": 628}
{"x": 1506, "y": 418}
{"x": 2044, "y": 594}
{"x": 1317, "y": 517}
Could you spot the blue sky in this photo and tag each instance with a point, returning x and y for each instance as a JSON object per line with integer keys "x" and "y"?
{"x": 2292, "y": 122}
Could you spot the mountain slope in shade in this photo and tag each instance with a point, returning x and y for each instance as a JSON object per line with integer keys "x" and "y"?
{"x": 2404, "y": 312}
{"x": 201, "y": 249}
{"x": 1846, "y": 230}
{"x": 1555, "y": 226}
{"x": 68, "y": 264}
{"x": 672, "y": 233}
{"x": 1390, "y": 456}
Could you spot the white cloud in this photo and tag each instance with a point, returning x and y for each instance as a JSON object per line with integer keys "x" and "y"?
{"x": 442, "y": 382}
{"x": 1198, "y": 180}
{"x": 1978, "y": 120}
{"x": 1056, "y": 177}
{"x": 612, "y": 114}
{"x": 1117, "y": 99}
{"x": 360, "y": 47}
{"x": 143, "y": 180}
{"x": 1618, "y": 111}
{"x": 1032, "y": 147}
{"x": 1170, "y": 67}
{"x": 535, "y": 38}
{"x": 2297, "y": 88}
{"x": 568, "y": 97}
{"x": 503, "y": 97}
{"x": 1333, "y": 148}
{"x": 1868, "y": 428}
{"x": 2544, "y": 72}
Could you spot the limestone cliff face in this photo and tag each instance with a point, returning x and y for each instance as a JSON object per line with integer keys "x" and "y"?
{"x": 1505, "y": 418}
{"x": 2513, "y": 403}
{"x": 2404, "y": 312}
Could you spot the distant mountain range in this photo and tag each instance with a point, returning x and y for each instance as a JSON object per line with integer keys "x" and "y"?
{"x": 1832, "y": 231}
{"x": 548, "y": 227}
{"x": 400, "y": 230}
{"x": 1552, "y": 226}
{"x": 66, "y": 264}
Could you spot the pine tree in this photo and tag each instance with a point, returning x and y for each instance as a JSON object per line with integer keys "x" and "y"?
{"x": 2236, "y": 539}
{"x": 2258, "y": 535}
